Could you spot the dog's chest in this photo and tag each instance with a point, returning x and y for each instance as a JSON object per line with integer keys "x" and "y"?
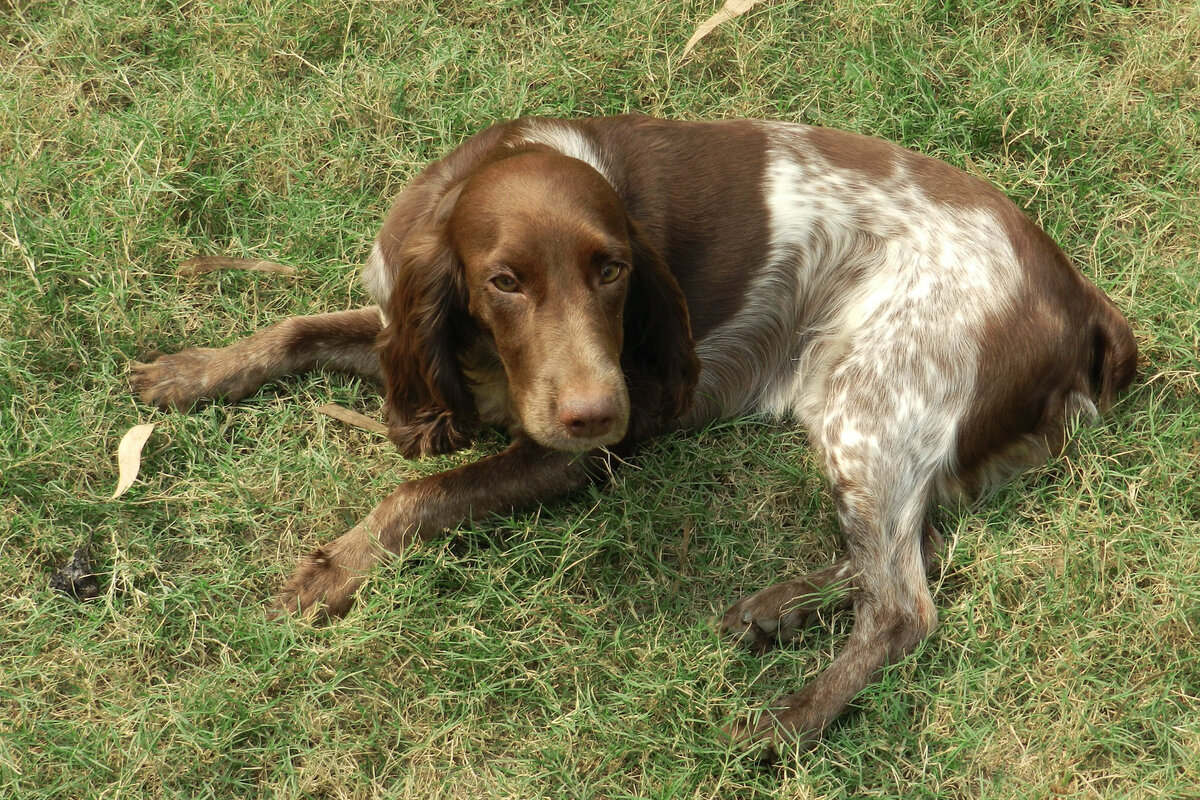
{"x": 489, "y": 385}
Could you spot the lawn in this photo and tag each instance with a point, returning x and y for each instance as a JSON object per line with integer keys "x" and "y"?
{"x": 567, "y": 652}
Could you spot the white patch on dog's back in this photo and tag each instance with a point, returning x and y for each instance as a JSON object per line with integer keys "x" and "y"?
{"x": 377, "y": 279}
{"x": 566, "y": 140}
{"x": 865, "y": 323}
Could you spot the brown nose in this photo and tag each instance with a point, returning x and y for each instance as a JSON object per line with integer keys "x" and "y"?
{"x": 588, "y": 416}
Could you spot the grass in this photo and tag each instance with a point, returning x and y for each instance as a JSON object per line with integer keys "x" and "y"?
{"x": 568, "y": 651}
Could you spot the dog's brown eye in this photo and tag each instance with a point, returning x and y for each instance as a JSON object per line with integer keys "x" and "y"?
{"x": 611, "y": 271}
{"x": 506, "y": 283}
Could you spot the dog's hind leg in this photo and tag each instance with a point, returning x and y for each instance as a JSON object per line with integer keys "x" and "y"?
{"x": 886, "y": 447}
{"x": 780, "y": 613}
{"x": 342, "y": 341}
{"x": 893, "y": 611}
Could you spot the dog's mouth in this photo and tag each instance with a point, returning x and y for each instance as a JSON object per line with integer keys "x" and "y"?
{"x": 578, "y": 419}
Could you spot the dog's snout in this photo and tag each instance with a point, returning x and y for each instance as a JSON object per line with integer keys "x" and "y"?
{"x": 588, "y": 416}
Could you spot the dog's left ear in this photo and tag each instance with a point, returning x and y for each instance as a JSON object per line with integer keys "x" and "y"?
{"x": 660, "y": 362}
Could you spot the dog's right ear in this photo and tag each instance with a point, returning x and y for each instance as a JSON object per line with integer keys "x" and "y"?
{"x": 429, "y": 405}
{"x": 420, "y": 287}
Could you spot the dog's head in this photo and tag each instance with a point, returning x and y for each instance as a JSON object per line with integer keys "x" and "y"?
{"x": 532, "y": 260}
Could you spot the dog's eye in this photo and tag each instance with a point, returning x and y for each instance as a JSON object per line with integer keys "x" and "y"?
{"x": 506, "y": 283}
{"x": 611, "y": 271}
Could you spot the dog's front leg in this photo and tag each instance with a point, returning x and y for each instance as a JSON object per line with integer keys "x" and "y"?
{"x": 343, "y": 340}
{"x": 526, "y": 473}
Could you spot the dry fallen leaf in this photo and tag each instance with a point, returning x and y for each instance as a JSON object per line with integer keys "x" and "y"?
{"x": 353, "y": 418}
{"x": 129, "y": 456}
{"x": 731, "y": 9}
{"x": 195, "y": 266}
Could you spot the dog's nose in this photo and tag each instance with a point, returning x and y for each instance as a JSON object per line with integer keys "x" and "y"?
{"x": 589, "y": 416}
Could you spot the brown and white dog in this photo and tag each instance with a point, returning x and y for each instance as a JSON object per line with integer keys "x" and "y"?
{"x": 590, "y": 283}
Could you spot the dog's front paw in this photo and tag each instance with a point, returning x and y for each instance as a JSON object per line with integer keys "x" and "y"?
{"x": 175, "y": 381}
{"x": 181, "y": 380}
{"x": 321, "y": 588}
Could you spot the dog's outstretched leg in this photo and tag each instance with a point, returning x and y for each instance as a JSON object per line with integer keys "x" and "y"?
{"x": 343, "y": 341}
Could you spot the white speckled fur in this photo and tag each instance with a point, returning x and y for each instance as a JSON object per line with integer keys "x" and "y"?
{"x": 864, "y": 324}
{"x": 859, "y": 290}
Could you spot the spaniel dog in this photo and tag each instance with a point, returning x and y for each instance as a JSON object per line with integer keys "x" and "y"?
{"x": 590, "y": 283}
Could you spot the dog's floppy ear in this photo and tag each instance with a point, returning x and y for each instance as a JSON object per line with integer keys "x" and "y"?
{"x": 660, "y": 362}
{"x": 430, "y": 408}
{"x": 419, "y": 287}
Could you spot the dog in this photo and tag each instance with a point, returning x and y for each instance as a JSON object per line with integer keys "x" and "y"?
{"x": 590, "y": 283}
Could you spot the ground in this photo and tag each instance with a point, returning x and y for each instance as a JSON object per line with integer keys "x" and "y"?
{"x": 569, "y": 651}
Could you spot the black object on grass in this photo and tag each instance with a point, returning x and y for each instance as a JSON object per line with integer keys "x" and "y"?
{"x": 75, "y": 578}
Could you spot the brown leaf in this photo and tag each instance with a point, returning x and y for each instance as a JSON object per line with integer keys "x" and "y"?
{"x": 353, "y": 418}
{"x": 731, "y": 9}
{"x": 200, "y": 264}
{"x": 129, "y": 456}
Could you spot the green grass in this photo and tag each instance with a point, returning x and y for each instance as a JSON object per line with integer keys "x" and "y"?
{"x": 568, "y": 652}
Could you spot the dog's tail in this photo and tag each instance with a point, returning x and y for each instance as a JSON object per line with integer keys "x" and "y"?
{"x": 1114, "y": 352}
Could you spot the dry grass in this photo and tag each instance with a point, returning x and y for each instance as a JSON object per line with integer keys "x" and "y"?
{"x": 567, "y": 652}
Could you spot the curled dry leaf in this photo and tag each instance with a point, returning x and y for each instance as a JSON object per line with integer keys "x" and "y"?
{"x": 195, "y": 266}
{"x": 129, "y": 456}
{"x": 353, "y": 418}
{"x": 731, "y": 9}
